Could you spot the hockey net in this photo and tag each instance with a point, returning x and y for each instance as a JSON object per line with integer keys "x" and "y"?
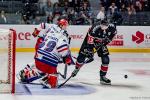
{"x": 7, "y": 60}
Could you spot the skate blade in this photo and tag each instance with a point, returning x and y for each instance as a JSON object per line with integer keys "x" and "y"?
{"x": 104, "y": 83}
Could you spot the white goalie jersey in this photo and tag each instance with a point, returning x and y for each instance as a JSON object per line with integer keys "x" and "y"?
{"x": 53, "y": 48}
{"x": 45, "y": 28}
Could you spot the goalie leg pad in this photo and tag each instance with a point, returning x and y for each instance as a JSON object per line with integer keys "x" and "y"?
{"x": 29, "y": 74}
{"x": 50, "y": 81}
{"x": 53, "y": 80}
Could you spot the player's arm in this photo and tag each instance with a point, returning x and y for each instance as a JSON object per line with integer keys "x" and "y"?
{"x": 64, "y": 51}
{"x": 92, "y": 36}
{"x": 40, "y": 30}
{"x": 113, "y": 31}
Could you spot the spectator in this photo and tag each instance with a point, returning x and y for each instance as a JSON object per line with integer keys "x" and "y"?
{"x": 101, "y": 14}
{"x": 146, "y": 6}
{"x": 71, "y": 16}
{"x": 48, "y": 9}
{"x": 30, "y": 10}
{"x": 56, "y": 9}
{"x": 113, "y": 8}
{"x": 66, "y": 6}
{"x": 25, "y": 20}
{"x": 123, "y": 8}
{"x": 138, "y": 6}
{"x": 131, "y": 10}
{"x": 55, "y": 18}
{"x": 49, "y": 19}
{"x": 3, "y": 18}
{"x": 76, "y": 5}
{"x": 37, "y": 20}
{"x": 116, "y": 18}
{"x": 105, "y": 3}
{"x": 62, "y": 2}
{"x": 85, "y": 9}
{"x": 42, "y": 4}
{"x": 82, "y": 19}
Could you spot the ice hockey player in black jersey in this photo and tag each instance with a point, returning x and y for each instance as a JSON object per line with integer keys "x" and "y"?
{"x": 98, "y": 36}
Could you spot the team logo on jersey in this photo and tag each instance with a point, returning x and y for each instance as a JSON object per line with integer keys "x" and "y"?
{"x": 90, "y": 39}
{"x": 138, "y": 37}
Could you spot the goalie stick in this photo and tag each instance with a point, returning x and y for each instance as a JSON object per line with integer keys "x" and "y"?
{"x": 64, "y": 75}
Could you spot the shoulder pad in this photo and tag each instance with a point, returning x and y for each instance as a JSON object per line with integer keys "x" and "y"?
{"x": 95, "y": 28}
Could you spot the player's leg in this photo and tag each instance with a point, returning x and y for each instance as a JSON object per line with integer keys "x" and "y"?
{"x": 50, "y": 80}
{"x": 103, "y": 53}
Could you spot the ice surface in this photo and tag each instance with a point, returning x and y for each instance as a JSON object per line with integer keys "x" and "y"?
{"x": 85, "y": 86}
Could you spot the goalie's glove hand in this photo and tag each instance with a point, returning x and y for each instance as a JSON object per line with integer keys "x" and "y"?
{"x": 68, "y": 61}
{"x": 74, "y": 73}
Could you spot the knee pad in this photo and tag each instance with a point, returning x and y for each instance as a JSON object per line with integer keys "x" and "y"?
{"x": 105, "y": 60}
{"x": 53, "y": 80}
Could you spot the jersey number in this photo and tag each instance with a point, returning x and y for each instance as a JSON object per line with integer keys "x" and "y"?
{"x": 49, "y": 46}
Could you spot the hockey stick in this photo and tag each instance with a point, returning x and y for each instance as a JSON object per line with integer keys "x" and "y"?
{"x": 70, "y": 76}
{"x": 65, "y": 82}
{"x": 65, "y": 72}
{"x": 66, "y": 66}
{"x": 64, "y": 75}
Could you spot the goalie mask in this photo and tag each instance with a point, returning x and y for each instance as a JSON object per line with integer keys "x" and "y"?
{"x": 63, "y": 23}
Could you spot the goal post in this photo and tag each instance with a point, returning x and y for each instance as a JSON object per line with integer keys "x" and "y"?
{"x": 7, "y": 60}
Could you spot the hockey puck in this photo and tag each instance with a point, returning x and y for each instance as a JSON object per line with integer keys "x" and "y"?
{"x": 125, "y": 76}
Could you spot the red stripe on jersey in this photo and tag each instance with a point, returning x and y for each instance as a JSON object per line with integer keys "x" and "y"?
{"x": 62, "y": 49}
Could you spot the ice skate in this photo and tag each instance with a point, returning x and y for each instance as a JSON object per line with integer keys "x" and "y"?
{"x": 105, "y": 81}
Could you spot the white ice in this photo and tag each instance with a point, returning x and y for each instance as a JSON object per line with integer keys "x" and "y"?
{"x": 135, "y": 87}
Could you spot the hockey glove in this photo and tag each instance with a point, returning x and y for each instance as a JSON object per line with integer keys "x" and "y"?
{"x": 89, "y": 53}
{"x": 74, "y": 73}
{"x": 98, "y": 42}
{"x": 68, "y": 60}
{"x": 106, "y": 41}
{"x": 36, "y": 32}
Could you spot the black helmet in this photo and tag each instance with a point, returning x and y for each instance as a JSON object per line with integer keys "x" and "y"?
{"x": 104, "y": 22}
